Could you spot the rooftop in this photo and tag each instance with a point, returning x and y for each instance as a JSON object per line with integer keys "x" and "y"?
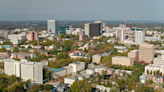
{"x": 54, "y": 69}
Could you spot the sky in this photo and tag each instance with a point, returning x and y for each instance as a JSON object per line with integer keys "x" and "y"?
{"x": 17, "y": 10}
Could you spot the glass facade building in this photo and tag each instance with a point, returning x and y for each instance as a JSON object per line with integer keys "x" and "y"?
{"x": 63, "y": 29}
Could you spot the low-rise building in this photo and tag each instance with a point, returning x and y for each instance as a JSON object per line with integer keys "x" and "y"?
{"x": 71, "y": 68}
{"x": 134, "y": 54}
{"x": 78, "y": 55}
{"x": 102, "y": 88}
{"x": 151, "y": 69}
{"x": 159, "y": 60}
{"x": 22, "y": 55}
{"x": 97, "y": 58}
{"x": 122, "y": 60}
{"x": 158, "y": 79}
{"x": 144, "y": 77}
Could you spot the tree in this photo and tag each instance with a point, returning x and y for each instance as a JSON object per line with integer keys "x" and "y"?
{"x": 13, "y": 78}
{"x": 62, "y": 55}
{"x": 3, "y": 49}
{"x": 81, "y": 86}
{"x": 157, "y": 72}
{"x": 29, "y": 59}
{"x": 15, "y": 49}
{"x": 48, "y": 87}
{"x": 147, "y": 71}
{"x": 151, "y": 72}
{"x": 2, "y": 65}
{"x": 23, "y": 50}
{"x": 154, "y": 72}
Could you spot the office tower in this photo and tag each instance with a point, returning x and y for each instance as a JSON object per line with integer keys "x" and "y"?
{"x": 139, "y": 36}
{"x": 146, "y": 53}
{"x": 94, "y": 29}
{"x": 25, "y": 70}
{"x": 104, "y": 25}
{"x": 122, "y": 26}
{"x": 101, "y": 24}
{"x": 87, "y": 28}
{"x": 34, "y": 35}
{"x": 63, "y": 29}
{"x": 129, "y": 24}
{"x": 52, "y": 26}
{"x": 120, "y": 33}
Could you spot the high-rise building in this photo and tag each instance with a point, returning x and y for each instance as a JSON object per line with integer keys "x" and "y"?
{"x": 101, "y": 24}
{"x": 122, "y": 26}
{"x": 146, "y": 53}
{"x": 120, "y": 33}
{"x": 34, "y": 35}
{"x": 52, "y": 26}
{"x": 25, "y": 70}
{"x": 129, "y": 24}
{"x": 87, "y": 29}
{"x": 139, "y": 36}
{"x": 63, "y": 29}
{"x": 94, "y": 29}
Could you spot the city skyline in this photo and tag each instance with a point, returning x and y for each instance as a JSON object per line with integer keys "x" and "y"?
{"x": 18, "y": 10}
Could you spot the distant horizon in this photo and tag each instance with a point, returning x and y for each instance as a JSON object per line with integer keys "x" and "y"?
{"x": 82, "y": 20}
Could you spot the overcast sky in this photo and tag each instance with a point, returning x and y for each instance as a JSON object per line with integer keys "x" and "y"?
{"x": 81, "y": 10}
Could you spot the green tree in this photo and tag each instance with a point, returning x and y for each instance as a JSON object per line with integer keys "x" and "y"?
{"x": 3, "y": 49}
{"x": 2, "y": 65}
{"x": 15, "y": 49}
{"x": 13, "y": 79}
{"x": 62, "y": 55}
{"x": 147, "y": 71}
{"x": 29, "y": 59}
{"x": 81, "y": 86}
{"x": 157, "y": 72}
{"x": 48, "y": 87}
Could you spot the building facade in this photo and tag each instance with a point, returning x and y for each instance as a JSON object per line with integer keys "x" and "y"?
{"x": 139, "y": 36}
{"x": 87, "y": 28}
{"x": 63, "y": 29}
{"x": 52, "y": 26}
{"x": 121, "y": 60}
{"x": 82, "y": 37}
{"x": 146, "y": 53}
{"x": 34, "y": 36}
{"x": 151, "y": 69}
{"x": 94, "y": 29}
{"x": 120, "y": 33}
{"x": 25, "y": 70}
{"x": 134, "y": 54}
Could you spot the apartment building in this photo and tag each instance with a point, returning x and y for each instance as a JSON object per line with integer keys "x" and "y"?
{"x": 25, "y": 70}
{"x": 122, "y": 60}
{"x": 146, "y": 53}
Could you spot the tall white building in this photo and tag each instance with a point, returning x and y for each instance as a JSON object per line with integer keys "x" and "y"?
{"x": 52, "y": 26}
{"x": 25, "y": 70}
{"x": 139, "y": 36}
{"x": 87, "y": 28}
{"x": 120, "y": 33}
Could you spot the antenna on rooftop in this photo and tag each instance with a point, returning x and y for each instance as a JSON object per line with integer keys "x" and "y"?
{"x": 125, "y": 20}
